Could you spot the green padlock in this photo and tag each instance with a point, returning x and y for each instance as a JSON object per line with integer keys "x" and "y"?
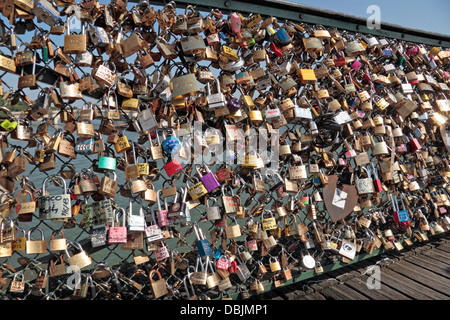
{"x": 106, "y": 162}
{"x": 8, "y": 125}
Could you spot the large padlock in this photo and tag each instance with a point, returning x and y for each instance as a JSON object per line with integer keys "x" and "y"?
{"x": 118, "y": 233}
{"x": 268, "y": 221}
{"x": 233, "y": 231}
{"x": 197, "y": 190}
{"x": 74, "y": 43}
{"x": 36, "y": 246}
{"x": 202, "y": 244}
{"x": 58, "y": 244}
{"x": 207, "y": 178}
{"x": 53, "y": 207}
{"x": 80, "y": 259}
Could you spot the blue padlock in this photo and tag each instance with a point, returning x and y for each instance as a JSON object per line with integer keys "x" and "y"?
{"x": 203, "y": 246}
{"x": 171, "y": 144}
{"x": 282, "y": 38}
{"x": 217, "y": 253}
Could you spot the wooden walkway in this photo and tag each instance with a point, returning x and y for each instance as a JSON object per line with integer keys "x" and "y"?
{"x": 421, "y": 273}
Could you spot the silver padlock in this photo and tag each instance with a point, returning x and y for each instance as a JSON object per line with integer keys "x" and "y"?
{"x": 212, "y": 212}
{"x": 215, "y": 100}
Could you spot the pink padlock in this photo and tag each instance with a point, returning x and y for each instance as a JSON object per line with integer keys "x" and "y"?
{"x": 235, "y": 23}
{"x": 223, "y": 262}
{"x": 356, "y": 65}
{"x": 412, "y": 51}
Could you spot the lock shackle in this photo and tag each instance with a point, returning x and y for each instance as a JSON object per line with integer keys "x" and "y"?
{"x": 74, "y": 244}
{"x": 229, "y": 187}
{"x": 24, "y": 193}
{"x": 234, "y": 219}
{"x": 55, "y": 232}
{"x": 257, "y": 174}
{"x": 11, "y": 223}
{"x": 202, "y": 265}
{"x": 214, "y": 200}
{"x": 186, "y": 286}
{"x": 17, "y": 274}
{"x": 33, "y": 229}
{"x": 116, "y": 215}
{"x": 158, "y": 200}
{"x": 53, "y": 179}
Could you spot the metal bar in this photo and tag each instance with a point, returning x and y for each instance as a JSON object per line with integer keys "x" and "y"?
{"x": 312, "y": 15}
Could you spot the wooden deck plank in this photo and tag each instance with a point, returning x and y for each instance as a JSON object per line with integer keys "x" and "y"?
{"x": 342, "y": 292}
{"x": 436, "y": 255}
{"x": 444, "y": 246}
{"x": 433, "y": 265}
{"x": 386, "y": 291}
{"x": 313, "y": 296}
{"x": 429, "y": 279}
{"x": 360, "y": 286}
{"x": 436, "y": 251}
{"x": 406, "y": 286}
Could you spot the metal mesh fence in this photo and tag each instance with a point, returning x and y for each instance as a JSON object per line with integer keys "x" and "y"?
{"x": 121, "y": 274}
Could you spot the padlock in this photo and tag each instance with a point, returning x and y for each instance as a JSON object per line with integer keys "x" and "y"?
{"x": 216, "y": 100}
{"x": 202, "y": 244}
{"x": 118, "y": 234}
{"x": 268, "y": 222}
{"x": 162, "y": 215}
{"x": 233, "y": 231}
{"x": 228, "y": 201}
{"x": 273, "y": 179}
{"x": 197, "y": 190}
{"x": 108, "y": 186}
{"x": 58, "y": 244}
{"x": 207, "y": 178}
{"x": 365, "y": 185}
{"x": 80, "y": 259}
{"x": 28, "y": 80}
{"x": 35, "y": 246}
{"x": 17, "y": 286}
{"x": 178, "y": 208}
{"x": 212, "y": 212}
{"x": 54, "y": 206}
{"x": 401, "y": 217}
{"x": 74, "y": 43}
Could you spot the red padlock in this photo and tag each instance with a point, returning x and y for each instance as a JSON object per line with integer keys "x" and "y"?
{"x": 276, "y": 50}
{"x": 414, "y": 144}
{"x": 233, "y": 267}
{"x": 173, "y": 167}
{"x": 376, "y": 180}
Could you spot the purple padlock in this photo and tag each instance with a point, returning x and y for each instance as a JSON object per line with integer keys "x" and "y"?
{"x": 207, "y": 177}
{"x": 233, "y": 105}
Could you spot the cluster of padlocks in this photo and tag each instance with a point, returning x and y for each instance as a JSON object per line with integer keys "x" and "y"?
{"x": 278, "y": 147}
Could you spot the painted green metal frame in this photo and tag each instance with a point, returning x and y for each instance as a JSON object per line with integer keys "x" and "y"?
{"x": 316, "y": 16}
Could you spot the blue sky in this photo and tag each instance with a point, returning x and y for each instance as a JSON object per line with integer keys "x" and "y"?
{"x": 430, "y": 15}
